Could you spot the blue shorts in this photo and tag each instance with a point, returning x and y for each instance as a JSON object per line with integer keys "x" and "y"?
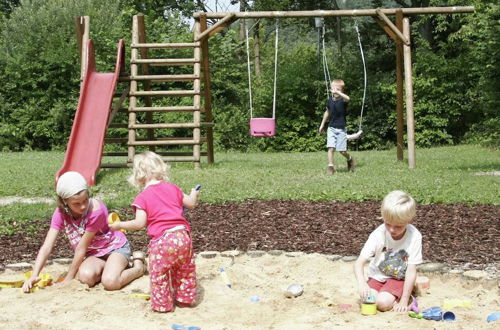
{"x": 125, "y": 250}
{"x": 336, "y": 138}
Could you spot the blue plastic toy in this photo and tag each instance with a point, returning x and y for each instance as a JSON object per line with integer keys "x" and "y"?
{"x": 184, "y": 327}
{"x": 493, "y": 317}
{"x": 449, "y": 316}
{"x": 433, "y": 313}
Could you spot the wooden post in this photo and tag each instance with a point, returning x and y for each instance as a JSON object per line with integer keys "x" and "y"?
{"x": 399, "y": 89}
{"x": 207, "y": 91}
{"x": 197, "y": 101}
{"x": 146, "y": 83}
{"x": 82, "y": 25}
{"x": 410, "y": 122}
{"x": 132, "y": 117}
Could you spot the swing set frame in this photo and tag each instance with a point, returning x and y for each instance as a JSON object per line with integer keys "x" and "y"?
{"x": 398, "y": 31}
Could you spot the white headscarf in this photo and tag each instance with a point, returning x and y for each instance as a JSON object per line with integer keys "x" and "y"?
{"x": 70, "y": 184}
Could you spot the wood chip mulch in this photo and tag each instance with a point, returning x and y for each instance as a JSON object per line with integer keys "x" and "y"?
{"x": 454, "y": 234}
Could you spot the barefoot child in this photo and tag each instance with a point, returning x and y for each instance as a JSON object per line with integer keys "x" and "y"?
{"x": 396, "y": 248}
{"x": 160, "y": 207}
{"x": 100, "y": 253}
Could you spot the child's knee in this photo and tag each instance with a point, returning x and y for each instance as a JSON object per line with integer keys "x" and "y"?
{"x": 88, "y": 276}
{"x": 111, "y": 282}
{"x": 385, "y": 301}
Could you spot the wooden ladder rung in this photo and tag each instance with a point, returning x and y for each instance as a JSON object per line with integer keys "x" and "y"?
{"x": 111, "y": 165}
{"x": 166, "y": 45}
{"x": 160, "y": 78}
{"x": 166, "y": 93}
{"x": 115, "y": 140}
{"x": 165, "y": 61}
{"x": 179, "y": 141}
{"x": 117, "y": 125}
{"x": 170, "y": 125}
{"x": 178, "y": 159}
{"x": 186, "y": 108}
{"x": 115, "y": 153}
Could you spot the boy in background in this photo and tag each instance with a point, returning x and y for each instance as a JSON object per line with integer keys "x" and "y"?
{"x": 336, "y": 110}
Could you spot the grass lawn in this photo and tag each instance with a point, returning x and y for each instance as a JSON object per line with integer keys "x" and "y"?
{"x": 443, "y": 175}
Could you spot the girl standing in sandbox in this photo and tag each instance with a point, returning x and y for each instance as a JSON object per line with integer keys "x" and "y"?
{"x": 160, "y": 207}
{"x": 100, "y": 253}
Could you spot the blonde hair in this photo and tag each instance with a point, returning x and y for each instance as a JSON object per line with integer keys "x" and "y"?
{"x": 148, "y": 166}
{"x": 339, "y": 83}
{"x": 398, "y": 207}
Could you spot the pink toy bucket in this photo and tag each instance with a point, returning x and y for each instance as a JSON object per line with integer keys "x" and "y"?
{"x": 262, "y": 127}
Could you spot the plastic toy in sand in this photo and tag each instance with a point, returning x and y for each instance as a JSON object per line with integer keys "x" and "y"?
{"x": 449, "y": 316}
{"x": 368, "y": 309}
{"x": 185, "y": 327}
{"x": 422, "y": 283}
{"x": 225, "y": 279}
{"x": 493, "y": 317}
{"x": 12, "y": 284}
{"x": 452, "y": 303}
{"x": 294, "y": 290}
{"x": 114, "y": 217}
{"x": 416, "y": 315}
{"x": 45, "y": 280}
{"x": 433, "y": 313}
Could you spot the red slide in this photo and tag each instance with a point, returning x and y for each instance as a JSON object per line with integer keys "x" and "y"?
{"x": 86, "y": 141}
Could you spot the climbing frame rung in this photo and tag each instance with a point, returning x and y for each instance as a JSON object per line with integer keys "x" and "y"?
{"x": 186, "y": 108}
{"x": 166, "y": 93}
{"x": 166, "y": 45}
{"x": 178, "y": 141}
{"x": 170, "y": 77}
{"x": 165, "y": 61}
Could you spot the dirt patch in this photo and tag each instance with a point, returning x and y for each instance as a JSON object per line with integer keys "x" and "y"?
{"x": 15, "y": 199}
{"x": 455, "y": 234}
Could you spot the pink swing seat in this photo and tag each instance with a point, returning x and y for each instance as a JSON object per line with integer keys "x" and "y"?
{"x": 262, "y": 127}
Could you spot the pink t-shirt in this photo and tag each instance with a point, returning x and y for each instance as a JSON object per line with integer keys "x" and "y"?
{"x": 104, "y": 241}
{"x": 163, "y": 205}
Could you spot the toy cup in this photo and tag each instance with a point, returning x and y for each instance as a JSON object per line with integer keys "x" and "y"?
{"x": 368, "y": 309}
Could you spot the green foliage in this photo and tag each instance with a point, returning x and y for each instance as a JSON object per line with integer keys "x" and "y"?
{"x": 39, "y": 65}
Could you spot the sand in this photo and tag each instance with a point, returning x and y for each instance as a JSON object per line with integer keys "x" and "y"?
{"x": 327, "y": 284}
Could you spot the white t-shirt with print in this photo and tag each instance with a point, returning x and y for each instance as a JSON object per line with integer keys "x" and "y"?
{"x": 380, "y": 241}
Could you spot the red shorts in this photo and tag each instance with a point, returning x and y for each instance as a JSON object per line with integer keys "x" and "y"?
{"x": 392, "y": 286}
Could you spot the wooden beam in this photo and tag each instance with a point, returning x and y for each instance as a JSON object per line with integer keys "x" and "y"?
{"x": 386, "y": 28}
{"x": 330, "y": 13}
{"x": 82, "y": 26}
{"x": 399, "y": 90}
{"x": 145, "y": 71}
{"x": 410, "y": 121}
{"x": 217, "y": 27}
{"x": 207, "y": 88}
{"x": 392, "y": 27}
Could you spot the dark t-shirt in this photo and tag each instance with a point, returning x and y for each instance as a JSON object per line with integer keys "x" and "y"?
{"x": 337, "y": 110}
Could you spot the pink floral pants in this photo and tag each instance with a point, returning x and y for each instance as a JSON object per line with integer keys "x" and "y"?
{"x": 172, "y": 273}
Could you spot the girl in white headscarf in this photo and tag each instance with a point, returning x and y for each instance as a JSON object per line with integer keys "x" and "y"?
{"x": 101, "y": 254}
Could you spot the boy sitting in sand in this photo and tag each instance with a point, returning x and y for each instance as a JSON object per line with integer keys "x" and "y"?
{"x": 396, "y": 248}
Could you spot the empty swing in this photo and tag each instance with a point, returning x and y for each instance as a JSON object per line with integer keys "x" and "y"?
{"x": 262, "y": 127}
{"x": 326, "y": 71}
